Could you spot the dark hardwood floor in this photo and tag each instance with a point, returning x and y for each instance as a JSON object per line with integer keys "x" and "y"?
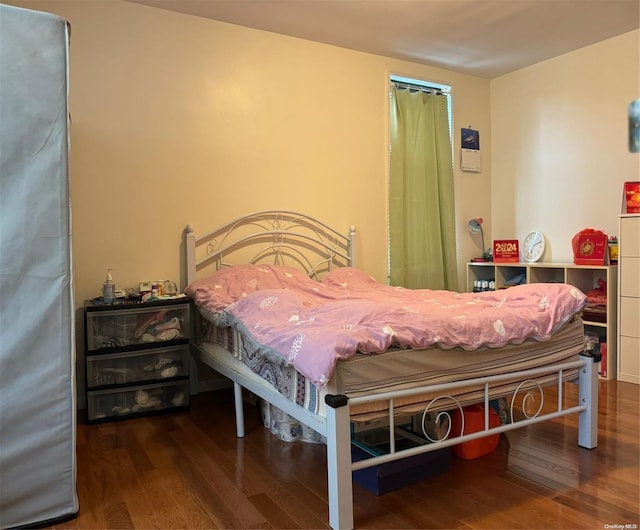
{"x": 188, "y": 470}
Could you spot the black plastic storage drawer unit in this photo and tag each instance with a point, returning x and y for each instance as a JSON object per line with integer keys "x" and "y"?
{"x": 136, "y": 358}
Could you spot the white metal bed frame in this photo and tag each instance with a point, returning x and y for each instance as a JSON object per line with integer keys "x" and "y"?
{"x": 286, "y": 238}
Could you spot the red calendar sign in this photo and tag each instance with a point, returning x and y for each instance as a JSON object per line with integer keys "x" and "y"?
{"x": 506, "y": 251}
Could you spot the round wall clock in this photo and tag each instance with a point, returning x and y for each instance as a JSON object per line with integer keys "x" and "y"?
{"x": 533, "y": 246}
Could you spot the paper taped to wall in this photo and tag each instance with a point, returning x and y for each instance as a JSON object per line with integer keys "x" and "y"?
{"x": 470, "y": 160}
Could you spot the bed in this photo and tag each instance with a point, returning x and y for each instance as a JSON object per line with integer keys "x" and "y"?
{"x": 286, "y": 314}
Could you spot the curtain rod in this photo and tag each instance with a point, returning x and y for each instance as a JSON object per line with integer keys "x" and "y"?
{"x": 418, "y": 88}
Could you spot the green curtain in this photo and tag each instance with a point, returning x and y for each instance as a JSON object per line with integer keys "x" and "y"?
{"x": 422, "y": 239}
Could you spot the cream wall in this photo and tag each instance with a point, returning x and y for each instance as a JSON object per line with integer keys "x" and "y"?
{"x": 177, "y": 119}
{"x": 560, "y": 144}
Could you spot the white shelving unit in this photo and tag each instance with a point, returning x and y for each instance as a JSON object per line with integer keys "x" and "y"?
{"x": 584, "y": 277}
{"x": 629, "y": 299}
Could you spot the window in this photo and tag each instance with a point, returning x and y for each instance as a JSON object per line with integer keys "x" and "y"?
{"x": 422, "y": 246}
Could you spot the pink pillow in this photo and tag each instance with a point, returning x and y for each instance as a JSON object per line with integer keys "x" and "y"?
{"x": 229, "y": 284}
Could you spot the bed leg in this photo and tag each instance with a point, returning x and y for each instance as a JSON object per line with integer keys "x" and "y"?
{"x": 588, "y": 392}
{"x": 339, "y": 462}
{"x": 237, "y": 394}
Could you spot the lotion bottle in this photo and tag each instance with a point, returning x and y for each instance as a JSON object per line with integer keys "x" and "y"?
{"x": 108, "y": 289}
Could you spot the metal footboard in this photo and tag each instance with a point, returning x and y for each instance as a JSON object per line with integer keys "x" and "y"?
{"x": 340, "y": 466}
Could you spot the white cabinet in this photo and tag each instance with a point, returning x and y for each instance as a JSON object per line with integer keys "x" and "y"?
{"x": 629, "y": 299}
{"x": 584, "y": 277}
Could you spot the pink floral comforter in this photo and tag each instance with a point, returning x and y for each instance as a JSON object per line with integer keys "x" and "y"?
{"x": 314, "y": 324}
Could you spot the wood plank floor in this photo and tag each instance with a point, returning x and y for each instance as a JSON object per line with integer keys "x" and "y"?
{"x": 187, "y": 470}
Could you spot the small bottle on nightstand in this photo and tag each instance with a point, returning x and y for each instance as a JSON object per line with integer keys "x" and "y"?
{"x": 108, "y": 289}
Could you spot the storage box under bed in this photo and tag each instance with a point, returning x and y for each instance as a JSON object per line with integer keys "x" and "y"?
{"x": 389, "y": 476}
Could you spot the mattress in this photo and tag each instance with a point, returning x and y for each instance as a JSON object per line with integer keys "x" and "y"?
{"x": 399, "y": 369}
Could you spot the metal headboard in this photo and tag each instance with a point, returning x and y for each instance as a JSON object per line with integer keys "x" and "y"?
{"x": 279, "y": 237}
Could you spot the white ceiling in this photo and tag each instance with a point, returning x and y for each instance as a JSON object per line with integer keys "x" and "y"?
{"x": 486, "y": 38}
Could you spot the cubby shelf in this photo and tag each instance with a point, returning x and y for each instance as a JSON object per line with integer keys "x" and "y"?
{"x": 584, "y": 277}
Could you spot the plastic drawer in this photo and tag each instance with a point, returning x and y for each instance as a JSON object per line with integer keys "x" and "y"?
{"x": 141, "y": 366}
{"x": 137, "y": 400}
{"x": 127, "y": 327}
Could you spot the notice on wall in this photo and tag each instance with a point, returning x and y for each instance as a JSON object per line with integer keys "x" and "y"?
{"x": 470, "y": 160}
{"x": 470, "y": 150}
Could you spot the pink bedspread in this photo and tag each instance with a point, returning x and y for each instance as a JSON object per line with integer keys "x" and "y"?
{"x": 314, "y": 324}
